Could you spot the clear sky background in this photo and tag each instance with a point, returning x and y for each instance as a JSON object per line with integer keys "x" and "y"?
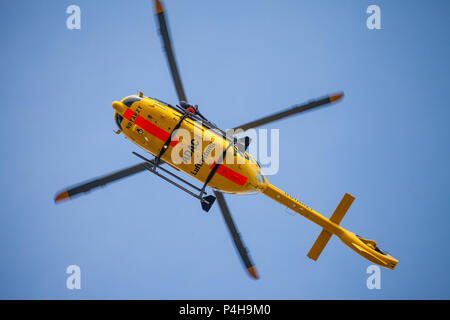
{"x": 387, "y": 143}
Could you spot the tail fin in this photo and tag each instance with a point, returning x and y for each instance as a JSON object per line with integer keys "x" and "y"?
{"x": 325, "y": 235}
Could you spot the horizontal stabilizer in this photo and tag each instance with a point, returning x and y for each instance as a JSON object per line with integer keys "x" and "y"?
{"x": 325, "y": 235}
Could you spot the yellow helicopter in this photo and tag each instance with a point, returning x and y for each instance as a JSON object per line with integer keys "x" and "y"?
{"x": 180, "y": 137}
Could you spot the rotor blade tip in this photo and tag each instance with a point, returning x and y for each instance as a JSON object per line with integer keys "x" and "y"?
{"x": 252, "y": 272}
{"x": 61, "y": 196}
{"x": 158, "y": 7}
{"x": 336, "y": 97}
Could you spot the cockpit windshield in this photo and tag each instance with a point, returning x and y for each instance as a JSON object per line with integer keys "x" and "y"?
{"x": 118, "y": 119}
{"x": 129, "y": 101}
{"x": 160, "y": 101}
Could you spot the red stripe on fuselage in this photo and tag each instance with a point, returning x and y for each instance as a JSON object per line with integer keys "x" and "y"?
{"x": 230, "y": 174}
{"x": 128, "y": 114}
{"x": 146, "y": 125}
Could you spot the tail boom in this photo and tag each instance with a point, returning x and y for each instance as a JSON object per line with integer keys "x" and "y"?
{"x": 365, "y": 248}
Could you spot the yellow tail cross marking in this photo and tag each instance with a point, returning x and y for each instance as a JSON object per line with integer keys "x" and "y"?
{"x": 325, "y": 235}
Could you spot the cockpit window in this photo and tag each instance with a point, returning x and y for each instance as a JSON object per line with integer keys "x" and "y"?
{"x": 381, "y": 251}
{"x": 119, "y": 119}
{"x": 160, "y": 101}
{"x": 129, "y": 101}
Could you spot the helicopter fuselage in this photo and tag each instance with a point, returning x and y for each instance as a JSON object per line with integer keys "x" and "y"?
{"x": 194, "y": 148}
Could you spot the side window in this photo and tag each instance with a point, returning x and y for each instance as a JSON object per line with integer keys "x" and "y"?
{"x": 160, "y": 101}
{"x": 260, "y": 177}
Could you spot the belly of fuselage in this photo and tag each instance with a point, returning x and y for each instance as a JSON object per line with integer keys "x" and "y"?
{"x": 194, "y": 148}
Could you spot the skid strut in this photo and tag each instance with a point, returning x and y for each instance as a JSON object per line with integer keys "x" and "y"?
{"x": 206, "y": 201}
{"x": 167, "y": 143}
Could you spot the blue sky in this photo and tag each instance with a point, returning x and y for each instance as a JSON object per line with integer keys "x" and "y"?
{"x": 386, "y": 143}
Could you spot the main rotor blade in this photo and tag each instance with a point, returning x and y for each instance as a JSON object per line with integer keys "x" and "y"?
{"x": 235, "y": 234}
{"x": 169, "y": 50}
{"x": 291, "y": 111}
{"x": 99, "y": 182}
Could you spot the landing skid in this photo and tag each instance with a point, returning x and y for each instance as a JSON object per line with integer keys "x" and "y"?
{"x": 154, "y": 166}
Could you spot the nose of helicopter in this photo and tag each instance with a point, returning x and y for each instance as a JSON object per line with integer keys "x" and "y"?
{"x": 119, "y": 107}
{"x": 120, "y": 110}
